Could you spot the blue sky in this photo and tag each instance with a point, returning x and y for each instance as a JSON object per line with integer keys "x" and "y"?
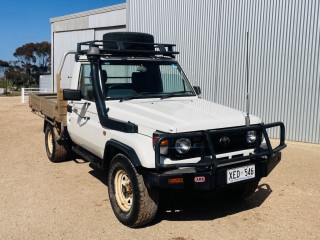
{"x": 24, "y": 21}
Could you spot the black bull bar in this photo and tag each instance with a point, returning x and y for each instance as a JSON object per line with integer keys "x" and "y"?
{"x": 211, "y": 160}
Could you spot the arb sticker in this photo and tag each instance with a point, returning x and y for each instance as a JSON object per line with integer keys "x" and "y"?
{"x": 199, "y": 179}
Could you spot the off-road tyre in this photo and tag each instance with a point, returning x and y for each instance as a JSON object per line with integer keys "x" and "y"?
{"x": 144, "y": 202}
{"x": 55, "y": 151}
{"x": 129, "y": 37}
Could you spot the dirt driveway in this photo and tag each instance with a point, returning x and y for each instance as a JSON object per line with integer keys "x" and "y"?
{"x": 42, "y": 200}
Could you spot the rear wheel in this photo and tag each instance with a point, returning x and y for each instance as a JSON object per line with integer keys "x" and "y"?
{"x": 133, "y": 204}
{"x": 55, "y": 151}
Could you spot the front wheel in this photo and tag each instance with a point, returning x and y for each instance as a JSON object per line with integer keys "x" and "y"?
{"x": 133, "y": 204}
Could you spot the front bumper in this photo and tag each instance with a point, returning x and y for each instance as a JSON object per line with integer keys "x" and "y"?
{"x": 211, "y": 160}
{"x": 210, "y": 172}
{"x": 209, "y": 180}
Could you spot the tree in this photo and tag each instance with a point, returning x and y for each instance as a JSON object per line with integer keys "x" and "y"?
{"x": 25, "y": 56}
{"x": 3, "y": 67}
{"x": 33, "y": 60}
{"x": 43, "y": 55}
{"x": 17, "y": 77}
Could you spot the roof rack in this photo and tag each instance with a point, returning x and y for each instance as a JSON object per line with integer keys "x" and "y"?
{"x": 120, "y": 48}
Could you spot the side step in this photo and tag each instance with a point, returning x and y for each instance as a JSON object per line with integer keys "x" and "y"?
{"x": 88, "y": 156}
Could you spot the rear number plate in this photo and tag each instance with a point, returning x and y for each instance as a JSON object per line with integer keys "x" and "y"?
{"x": 241, "y": 173}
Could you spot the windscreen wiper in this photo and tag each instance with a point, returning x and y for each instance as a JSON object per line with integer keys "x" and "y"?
{"x": 137, "y": 95}
{"x": 169, "y": 95}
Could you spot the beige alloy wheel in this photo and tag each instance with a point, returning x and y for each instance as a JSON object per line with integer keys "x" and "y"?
{"x": 123, "y": 190}
{"x": 55, "y": 151}
{"x": 133, "y": 204}
{"x": 50, "y": 144}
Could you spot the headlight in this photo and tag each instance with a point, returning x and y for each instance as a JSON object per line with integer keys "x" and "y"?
{"x": 251, "y": 136}
{"x": 183, "y": 145}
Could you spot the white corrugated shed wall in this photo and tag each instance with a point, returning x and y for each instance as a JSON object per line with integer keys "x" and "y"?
{"x": 65, "y": 41}
{"x": 284, "y": 53}
{"x": 69, "y": 30}
{"x": 45, "y": 83}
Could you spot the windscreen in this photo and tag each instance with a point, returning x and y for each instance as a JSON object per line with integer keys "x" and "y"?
{"x": 121, "y": 80}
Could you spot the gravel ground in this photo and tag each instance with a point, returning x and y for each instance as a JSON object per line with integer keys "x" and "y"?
{"x": 69, "y": 200}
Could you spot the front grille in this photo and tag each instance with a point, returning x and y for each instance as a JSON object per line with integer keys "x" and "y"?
{"x": 230, "y": 142}
{"x": 222, "y": 143}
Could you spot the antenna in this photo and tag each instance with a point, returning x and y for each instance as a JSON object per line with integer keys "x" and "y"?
{"x": 247, "y": 97}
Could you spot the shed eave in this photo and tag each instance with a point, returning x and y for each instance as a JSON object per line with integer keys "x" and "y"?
{"x": 89, "y": 13}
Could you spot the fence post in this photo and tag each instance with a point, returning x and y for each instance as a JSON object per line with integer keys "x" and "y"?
{"x": 22, "y": 95}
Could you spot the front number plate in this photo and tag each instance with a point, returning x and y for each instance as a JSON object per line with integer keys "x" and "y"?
{"x": 241, "y": 173}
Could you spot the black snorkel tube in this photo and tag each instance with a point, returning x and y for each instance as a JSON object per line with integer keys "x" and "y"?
{"x": 93, "y": 55}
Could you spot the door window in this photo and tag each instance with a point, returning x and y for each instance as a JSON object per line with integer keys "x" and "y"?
{"x": 85, "y": 83}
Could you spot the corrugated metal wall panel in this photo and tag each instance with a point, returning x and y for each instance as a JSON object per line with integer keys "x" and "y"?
{"x": 189, "y": 31}
{"x": 108, "y": 19}
{"x": 284, "y": 53}
{"x": 45, "y": 82}
{"x": 71, "y": 24}
{"x": 63, "y": 42}
{"x": 67, "y": 31}
{"x": 100, "y": 32}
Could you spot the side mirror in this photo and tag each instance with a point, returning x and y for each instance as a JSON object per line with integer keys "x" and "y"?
{"x": 197, "y": 89}
{"x": 71, "y": 94}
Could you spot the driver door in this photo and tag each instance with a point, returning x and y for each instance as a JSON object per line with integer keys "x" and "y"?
{"x": 83, "y": 122}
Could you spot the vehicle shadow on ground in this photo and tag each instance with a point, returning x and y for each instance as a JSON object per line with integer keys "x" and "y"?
{"x": 98, "y": 174}
{"x": 181, "y": 206}
{"x": 190, "y": 206}
{"x": 72, "y": 156}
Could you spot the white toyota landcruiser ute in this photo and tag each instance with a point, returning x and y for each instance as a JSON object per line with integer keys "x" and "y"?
{"x": 132, "y": 112}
